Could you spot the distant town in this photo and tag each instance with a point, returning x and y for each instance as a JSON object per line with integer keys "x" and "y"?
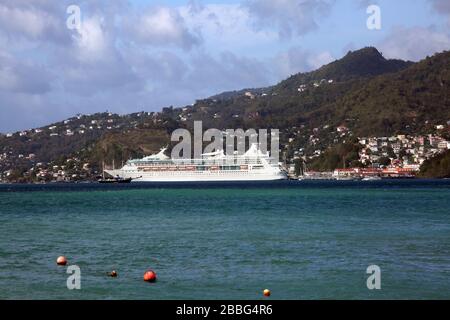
{"x": 397, "y": 156}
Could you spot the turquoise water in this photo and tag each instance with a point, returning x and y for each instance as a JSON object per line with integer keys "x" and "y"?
{"x": 300, "y": 240}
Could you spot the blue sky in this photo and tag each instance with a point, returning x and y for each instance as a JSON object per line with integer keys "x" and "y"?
{"x": 133, "y": 55}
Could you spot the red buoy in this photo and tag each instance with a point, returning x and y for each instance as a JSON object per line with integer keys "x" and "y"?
{"x": 61, "y": 261}
{"x": 150, "y": 276}
{"x": 266, "y": 292}
{"x": 113, "y": 274}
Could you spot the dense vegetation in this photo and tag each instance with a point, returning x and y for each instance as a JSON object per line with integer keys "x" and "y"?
{"x": 369, "y": 94}
{"x": 363, "y": 91}
{"x": 438, "y": 167}
{"x": 117, "y": 148}
{"x": 343, "y": 155}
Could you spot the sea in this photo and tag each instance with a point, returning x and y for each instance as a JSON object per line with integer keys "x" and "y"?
{"x": 299, "y": 239}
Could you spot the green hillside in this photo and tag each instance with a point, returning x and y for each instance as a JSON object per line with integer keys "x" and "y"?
{"x": 363, "y": 91}
{"x": 437, "y": 167}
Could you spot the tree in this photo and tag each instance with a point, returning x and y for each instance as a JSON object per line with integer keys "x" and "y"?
{"x": 437, "y": 167}
{"x": 385, "y": 161}
{"x": 299, "y": 167}
{"x": 391, "y": 153}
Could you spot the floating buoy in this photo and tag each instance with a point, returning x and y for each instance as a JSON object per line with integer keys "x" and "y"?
{"x": 61, "y": 261}
{"x": 150, "y": 276}
{"x": 113, "y": 274}
{"x": 266, "y": 292}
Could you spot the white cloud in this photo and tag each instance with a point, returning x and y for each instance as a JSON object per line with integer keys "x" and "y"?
{"x": 318, "y": 60}
{"x": 442, "y": 7}
{"x": 162, "y": 26}
{"x": 289, "y": 17}
{"x": 22, "y": 20}
{"x": 91, "y": 39}
{"x": 414, "y": 43}
{"x": 225, "y": 24}
{"x": 228, "y": 72}
{"x": 22, "y": 76}
{"x": 298, "y": 59}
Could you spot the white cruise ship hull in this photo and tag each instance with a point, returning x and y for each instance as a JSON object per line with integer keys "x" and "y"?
{"x": 251, "y": 166}
{"x": 197, "y": 176}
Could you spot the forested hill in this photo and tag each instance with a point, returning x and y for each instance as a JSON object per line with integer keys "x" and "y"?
{"x": 364, "y": 63}
{"x": 363, "y": 91}
{"x": 400, "y": 97}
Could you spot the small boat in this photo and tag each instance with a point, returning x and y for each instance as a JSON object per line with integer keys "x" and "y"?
{"x": 348, "y": 178}
{"x": 372, "y": 179}
{"x": 115, "y": 180}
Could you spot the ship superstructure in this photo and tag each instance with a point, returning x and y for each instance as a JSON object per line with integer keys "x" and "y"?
{"x": 254, "y": 165}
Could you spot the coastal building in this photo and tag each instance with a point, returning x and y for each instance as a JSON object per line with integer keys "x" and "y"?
{"x": 302, "y": 88}
{"x": 443, "y": 145}
{"x": 345, "y": 173}
{"x": 342, "y": 129}
{"x": 250, "y": 95}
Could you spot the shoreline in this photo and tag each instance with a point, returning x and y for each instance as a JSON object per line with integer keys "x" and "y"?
{"x": 356, "y": 179}
{"x": 239, "y": 185}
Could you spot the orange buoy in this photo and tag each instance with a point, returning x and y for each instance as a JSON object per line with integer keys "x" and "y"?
{"x": 113, "y": 274}
{"x": 266, "y": 292}
{"x": 150, "y": 276}
{"x": 61, "y": 261}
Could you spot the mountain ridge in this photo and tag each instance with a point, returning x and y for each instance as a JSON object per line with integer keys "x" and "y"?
{"x": 365, "y": 62}
{"x": 363, "y": 91}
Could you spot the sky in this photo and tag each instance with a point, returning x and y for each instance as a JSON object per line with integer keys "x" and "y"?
{"x": 133, "y": 55}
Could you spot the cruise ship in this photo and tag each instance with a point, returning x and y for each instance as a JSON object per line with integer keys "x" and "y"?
{"x": 254, "y": 165}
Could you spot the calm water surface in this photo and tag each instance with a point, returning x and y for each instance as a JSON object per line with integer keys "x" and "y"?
{"x": 302, "y": 240}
